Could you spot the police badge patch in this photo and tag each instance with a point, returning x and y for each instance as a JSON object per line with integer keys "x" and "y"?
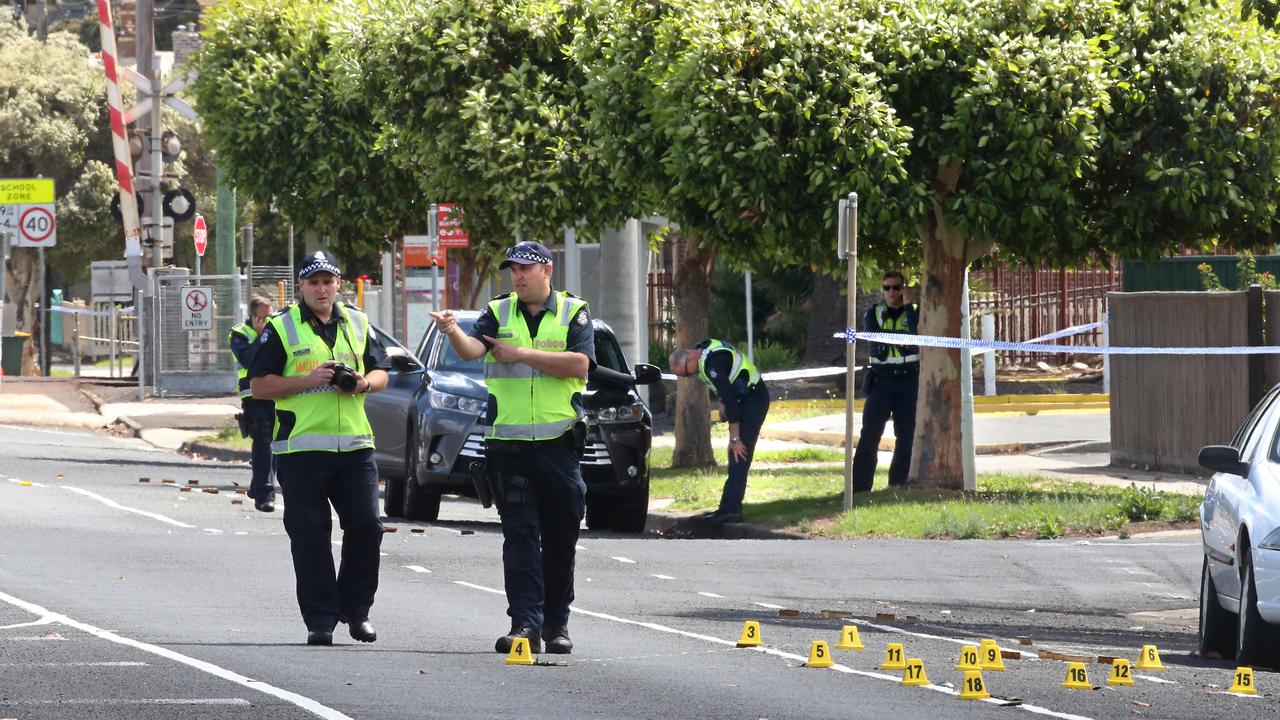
{"x": 582, "y": 318}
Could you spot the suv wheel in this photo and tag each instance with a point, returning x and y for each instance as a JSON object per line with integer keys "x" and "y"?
{"x": 1254, "y": 637}
{"x": 419, "y": 503}
{"x": 631, "y": 516}
{"x": 599, "y": 514}
{"x": 393, "y": 497}
{"x": 1217, "y": 624}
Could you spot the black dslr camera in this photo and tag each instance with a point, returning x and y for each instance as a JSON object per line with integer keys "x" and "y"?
{"x": 344, "y": 378}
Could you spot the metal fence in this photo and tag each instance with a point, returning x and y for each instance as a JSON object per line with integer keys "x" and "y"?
{"x": 275, "y": 282}
{"x": 195, "y": 362}
{"x": 1028, "y": 302}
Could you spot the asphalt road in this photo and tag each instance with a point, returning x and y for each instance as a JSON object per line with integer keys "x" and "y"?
{"x": 122, "y": 599}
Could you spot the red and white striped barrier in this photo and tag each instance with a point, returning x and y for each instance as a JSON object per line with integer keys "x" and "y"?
{"x": 120, "y": 143}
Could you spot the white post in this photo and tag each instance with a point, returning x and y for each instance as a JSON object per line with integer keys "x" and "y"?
{"x": 1106, "y": 359}
{"x": 751, "y": 344}
{"x": 572, "y": 262}
{"x": 433, "y": 247}
{"x": 989, "y": 358}
{"x": 5, "y": 239}
{"x": 388, "y": 289}
{"x": 966, "y": 391}
{"x": 847, "y": 248}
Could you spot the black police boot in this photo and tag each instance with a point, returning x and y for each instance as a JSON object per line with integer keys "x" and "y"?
{"x": 535, "y": 640}
{"x": 363, "y": 631}
{"x": 558, "y": 642}
{"x": 319, "y": 637}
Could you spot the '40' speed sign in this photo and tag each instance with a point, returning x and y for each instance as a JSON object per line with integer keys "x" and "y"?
{"x": 32, "y": 225}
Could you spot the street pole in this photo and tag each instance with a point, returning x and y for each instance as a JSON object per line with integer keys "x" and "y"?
{"x": 42, "y": 20}
{"x": 966, "y": 390}
{"x": 5, "y": 238}
{"x": 43, "y": 339}
{"x": 751, "y": 344}
{"x": 433, "y": 247}
{"x": 847, "y": 244}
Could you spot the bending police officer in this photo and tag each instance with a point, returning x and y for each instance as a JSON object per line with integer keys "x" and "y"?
{"x": 538, "y": 347}
{"x": 257, "y": 417}
{"x": 744, "y": 403}
{"x": 317, "y": 359}
{"x": 891, "y": 385}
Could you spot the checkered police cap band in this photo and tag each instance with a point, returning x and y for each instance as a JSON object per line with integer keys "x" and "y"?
{"x": 528, "y": 254}
{"x": 318, "y": 263}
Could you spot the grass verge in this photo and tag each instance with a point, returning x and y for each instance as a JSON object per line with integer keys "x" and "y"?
{"x": 810, "y": 500}
{"x": 229, "y": 436}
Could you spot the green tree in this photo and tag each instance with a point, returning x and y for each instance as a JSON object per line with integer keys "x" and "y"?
{"x": 53, "y": 124}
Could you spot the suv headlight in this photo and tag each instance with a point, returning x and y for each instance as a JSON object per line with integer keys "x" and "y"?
{"x": 633, "y": 412}
{"x": 449, "y": 401}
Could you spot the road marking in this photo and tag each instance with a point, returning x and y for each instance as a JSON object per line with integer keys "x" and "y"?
{"x": 664, "y": 577}
{"x": 213, "y": 531}
{"x": 1036, "y": 709}
{"x": 1154, "y": 679}
{"x": 446, "y": 529}
{"x": 29, "y": 483}
{"x": 580, "y": 547}
{"x": 120, "y": 663}
{"x": 710, "y": 595}
{"x": 112, "y": 503}
{"x": 41, "y": 621}
{"x": 771, "y": 606}
{"x": 623, "y": 560}
{"x": 417, "y": 568}
{"x": 139, "y": 701}
{"x": 306, "y": 703}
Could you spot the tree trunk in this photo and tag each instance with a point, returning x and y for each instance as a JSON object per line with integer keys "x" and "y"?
{"x": 937, "y": 453}
{"x": 692, "y": 291}
{"x": 21, "y": 289}
{"x": 472, "y": 270}
{"x": 826, "y": 317}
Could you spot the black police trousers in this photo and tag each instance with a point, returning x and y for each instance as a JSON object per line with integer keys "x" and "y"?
{"x": 754, "y": 406}
{"x": 886, "y": 396}
{"x": 541, "y": 508}
{"x": 348, "y": 480}
{"x": 261, "y": 416}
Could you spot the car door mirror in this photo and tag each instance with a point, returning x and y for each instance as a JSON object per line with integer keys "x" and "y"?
{"x": 646, "y": 374}
{"x": 401, "y": 359}
{"x": 1223, "y": 458}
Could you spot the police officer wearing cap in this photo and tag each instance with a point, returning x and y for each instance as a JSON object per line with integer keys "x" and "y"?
{"x": 257, "y": 416}
{"x": 538, "y": 346}
{"x": 317, "y": 359}
{"x": 891, "y": 386}
{"x": 744, "y": 402}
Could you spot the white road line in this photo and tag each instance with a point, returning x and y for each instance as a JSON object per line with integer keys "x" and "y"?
{"x": 41, "y": 621}
{"x": 1154, "y": 679}
{"x": 120, "y": 663}
{"x": 139, "y": 701}
{"x": 664, "y": 577}
{"x": 623, "y": 560}
{"x": 710, "y": 595}
{"x": 580, "y": 547}
{"x": 306, "y": 703}
{"x": 449, "y": 530}
{"x": 771, "y": 606}
{"x": 213, "y": 531}
{"x": 112, "y": 503}
{"x": 417, "y": 568}
{"x": 782, "y": 654}
{"x": 16, "y": 481}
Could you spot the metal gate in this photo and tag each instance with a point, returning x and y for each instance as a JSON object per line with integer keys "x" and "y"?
{"x": 193, "y": 362}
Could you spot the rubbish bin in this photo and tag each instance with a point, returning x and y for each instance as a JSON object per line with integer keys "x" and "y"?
{"x": 11, "y": 349}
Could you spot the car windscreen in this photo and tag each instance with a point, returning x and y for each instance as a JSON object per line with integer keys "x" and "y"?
{"x": 608, "y": 354}
{"x": 449, "y": 360}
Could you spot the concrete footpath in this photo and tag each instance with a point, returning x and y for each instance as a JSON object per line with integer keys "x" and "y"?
{"x": 1063, "y": 443}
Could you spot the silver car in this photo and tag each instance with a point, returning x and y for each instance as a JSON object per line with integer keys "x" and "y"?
{"x": 1240, "y": 525}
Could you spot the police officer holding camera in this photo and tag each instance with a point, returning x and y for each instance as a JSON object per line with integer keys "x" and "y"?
{"x": 257, "y": 417}
{"x": 538, "y": 346}
{"x": 317, "y": 358}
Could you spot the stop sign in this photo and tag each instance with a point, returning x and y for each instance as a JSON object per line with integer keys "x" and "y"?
{"x": 201, "y": 235}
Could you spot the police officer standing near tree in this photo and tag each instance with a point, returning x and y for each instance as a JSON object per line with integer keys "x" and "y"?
{"x": 538, "y": 347}
{"x": 891, "y": 386}
{"x": 317, "y": 359}
{"x": 257, "y": 417}
{"x": 744, "y": 403}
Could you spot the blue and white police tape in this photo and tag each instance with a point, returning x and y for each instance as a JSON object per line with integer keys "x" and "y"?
{"x": 96, "y": 313}
{"x": 790, "y": 374}
{"x": 951, "y": 343}
{"x": 1065, "y": 332}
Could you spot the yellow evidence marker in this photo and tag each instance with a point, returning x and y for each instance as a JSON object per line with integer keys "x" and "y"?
{"x": 750, "y": 635}
{"x": 1077, "y": 677}
{"x": 972, "y": 687}
{"x": 893, "y": 657}
{"x": 1149, "y": 659}
{"x": 968, "y": 658}
{"x": 819, "y": 655}
{"x": 520, "y": 654}
{"x": 1243, "y": 684}
{"x": 913, "y": 673}
{"x": 849, "y": 639}
{"x": 1121, "y": 674}
{"x": 989, "y": 656}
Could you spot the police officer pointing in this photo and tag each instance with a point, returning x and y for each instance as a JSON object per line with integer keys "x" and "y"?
{"x": 891, "y": 386}
{"x": 257, "y": 416}
{"x": 538, "y": 346}
{"x": 317, "y": 359}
